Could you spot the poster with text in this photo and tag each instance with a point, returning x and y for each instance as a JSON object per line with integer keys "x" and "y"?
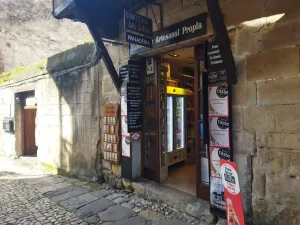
{"x": 232, "y": 192}
{"x": 218, "y": 101}
{"x": 215, "y": 155}
{"x": 217, "y": 199}
{"x": 124, "y": 126}
{"x": 126, "y": 146}
{"x": 219, "y": 132}
{"x": 123, "y": 106}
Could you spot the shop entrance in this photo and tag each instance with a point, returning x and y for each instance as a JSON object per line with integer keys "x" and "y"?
{"x": 173, "y": 122}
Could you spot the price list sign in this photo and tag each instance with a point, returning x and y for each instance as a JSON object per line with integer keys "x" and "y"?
{"x": 134, "y": 107}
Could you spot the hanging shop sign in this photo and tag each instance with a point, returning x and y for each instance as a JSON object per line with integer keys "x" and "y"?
{"x": 138, "y": 23}
{"x": 138, "y": 40}
{"x": 233, "y": 198}
{"x": 134, "y": 107}
{"x": 182, "y": 31}
{"x": 111, "y": 133}
{"x": 217, "y": 77}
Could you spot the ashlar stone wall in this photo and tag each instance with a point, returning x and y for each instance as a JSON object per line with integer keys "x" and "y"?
{"x": 68, "y": 113}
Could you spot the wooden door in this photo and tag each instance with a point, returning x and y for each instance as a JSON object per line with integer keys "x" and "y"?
{"x": 29, "y": 130}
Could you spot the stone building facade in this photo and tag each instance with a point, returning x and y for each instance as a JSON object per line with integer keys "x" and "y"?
{"x": 29, "y": 33}
{"x": 265, "y": 42}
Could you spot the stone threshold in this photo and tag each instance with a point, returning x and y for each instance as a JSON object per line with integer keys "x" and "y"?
{"x": 181, "y": 201}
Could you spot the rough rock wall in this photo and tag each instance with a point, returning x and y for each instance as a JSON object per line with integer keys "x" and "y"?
{"x": 29, "y": 33}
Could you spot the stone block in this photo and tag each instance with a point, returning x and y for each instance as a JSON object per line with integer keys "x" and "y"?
{"x": 244, "y": 94}
{"x": 273, "y": 7}
{"x": 276, "y": 161}
{"x": 240, "y": 64}
{"x": 278, "y": 140}
{"x": 273, "y": 64}
{"x": 278, "y": 92}
{"x": 247, "y": 40}
{"x": 101, "y": 193}
{"x": 244, "y": 166}
{"x": 283, "y": 190}
{"x": 265, "y": 213}
{"x": 237, "y": 119}
{"x": 282, "y": 34}
{"x": 244, "y": 142}
{"x": 79, "y": 201}
{"x": 111, "y": 216}
{"x": 94, "y": 208}
{"x": 76, "y": 192}
{"x": 272, "y": 118}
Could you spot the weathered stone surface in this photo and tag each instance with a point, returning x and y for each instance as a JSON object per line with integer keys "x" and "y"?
{"x": 244, "y": 94}
{"x": 221, "y": 222}
{"x": 273, "y": 64}
{"x": 278, "y": 92}
{"x": 76, "y": 192}
{"x": 136, "y": 220}
{"x": 119, "y": 183}
{"x": 244, "y": 142}
{"x": 265, "y": 213}
{"x": 171, "y": 222}
{"x": 93, "y": 219}
{"x": 248, "y": 40}
{"x": 120, "y": 200}
{"x": 283, "y": 190}
{"x": 114, "y": 196}
{"x": 272, "y": 118}
{"x": 112, "y": 181}
{"x": 110, "y": 214}
{"x": 281, "y": 34}
{"x": 77, "y": 202}
{"x": 237, "y": 119}
{"x": 278, "y": 140}
{"x": 94, "y": 208}
{"x": 244, "y": 165}
{"x": 101, "y": 193}
{"x": 276, "y": 161}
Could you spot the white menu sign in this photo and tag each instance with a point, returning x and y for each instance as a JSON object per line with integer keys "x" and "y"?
{"x": 219, "y": 132}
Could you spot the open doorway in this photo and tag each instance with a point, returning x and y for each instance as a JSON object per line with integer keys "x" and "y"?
{"x": 175, "y": 151}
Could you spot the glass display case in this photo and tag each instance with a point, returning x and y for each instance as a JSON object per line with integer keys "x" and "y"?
{"x": 176, "y": 128}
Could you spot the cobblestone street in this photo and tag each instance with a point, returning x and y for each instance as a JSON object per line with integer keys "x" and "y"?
{"x": 34, "y": 197}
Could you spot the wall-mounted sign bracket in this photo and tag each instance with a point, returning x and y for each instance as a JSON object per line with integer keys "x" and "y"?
{"x": 159, "y": 24}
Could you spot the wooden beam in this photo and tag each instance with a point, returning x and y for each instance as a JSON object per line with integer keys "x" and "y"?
{"x": 105, "y": 56}
{"x": 223, "y": 41}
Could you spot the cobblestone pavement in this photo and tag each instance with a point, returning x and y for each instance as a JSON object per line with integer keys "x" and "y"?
{"x": 30, "y": 196}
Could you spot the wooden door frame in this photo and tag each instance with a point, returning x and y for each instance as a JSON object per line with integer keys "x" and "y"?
{"x": 202, "y": 190}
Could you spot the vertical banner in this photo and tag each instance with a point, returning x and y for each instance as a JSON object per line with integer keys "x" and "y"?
{"x": 233, "y": 198}
{"x": 219, "y": 124}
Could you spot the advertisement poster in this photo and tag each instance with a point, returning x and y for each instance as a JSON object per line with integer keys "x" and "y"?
{"x": 218, "y": 101}
{"x": 217, "y": 194}
{"x": 124, "y": 126}
{"x": 123, "y": 106}
{"x": 233, "y": 198}
{"x": 126, "y": 146}
{"x": 215, "y": 155}
{"x": 219, "y": 132}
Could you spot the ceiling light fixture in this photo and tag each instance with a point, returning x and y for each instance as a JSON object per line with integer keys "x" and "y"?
{"x": 174, "y": 55}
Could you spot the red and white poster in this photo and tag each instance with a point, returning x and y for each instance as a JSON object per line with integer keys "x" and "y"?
{"x": 233, "y": 198}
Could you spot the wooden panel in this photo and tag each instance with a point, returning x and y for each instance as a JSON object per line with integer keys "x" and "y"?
{"x": 29, "y": 131}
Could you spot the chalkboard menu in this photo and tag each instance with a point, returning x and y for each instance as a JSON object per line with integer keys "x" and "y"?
{"x": 134, "y": 72}
{"x": 134, "y": 107}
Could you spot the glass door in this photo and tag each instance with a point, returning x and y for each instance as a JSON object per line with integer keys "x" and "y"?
{"x": 180, "y": 123}
{"x": 170, "y": 123}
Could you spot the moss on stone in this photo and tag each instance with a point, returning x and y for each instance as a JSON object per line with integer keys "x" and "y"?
{"x": 76, "y": 56}
{"x": 52, "y": 169}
